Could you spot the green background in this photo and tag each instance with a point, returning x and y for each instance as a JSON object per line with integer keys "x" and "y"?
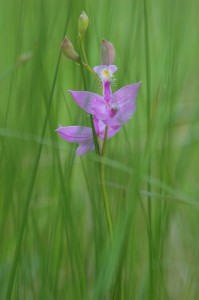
{"x": 53, "y": 235}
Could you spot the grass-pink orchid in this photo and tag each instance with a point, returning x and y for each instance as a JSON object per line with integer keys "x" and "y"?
{"x": 84, "y": 136}
{"x": 113, "y": 109}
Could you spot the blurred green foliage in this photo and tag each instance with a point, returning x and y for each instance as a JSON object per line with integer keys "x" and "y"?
{"x": 54, "y": 242}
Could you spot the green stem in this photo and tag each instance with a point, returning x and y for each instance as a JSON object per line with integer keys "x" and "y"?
{"x": 104, "y": 191}
{"x": 104, "y": 142}
{"x": 89, "y": 69}
{"x": 94, "y": 136}
{"x": 83, "y": 50}
{"x": 149, "y": 206}
{"x": 81, "y": 44}
{"x": 101, "y": 154}
{"x": 86, "y": 64}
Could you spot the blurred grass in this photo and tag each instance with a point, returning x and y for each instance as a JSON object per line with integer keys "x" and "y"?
{"x": 52, "y": 223}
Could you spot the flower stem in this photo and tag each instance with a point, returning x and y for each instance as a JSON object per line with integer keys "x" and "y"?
{"x": 104, "y": 142}
{"x": 85, "y": 63}
{"x": 81, "y": 45}
{"x": 94, "y": 136}
{"x": 101, "y": 154}
{"x": 149, "y": 206}
{"x": 104, "y": 191}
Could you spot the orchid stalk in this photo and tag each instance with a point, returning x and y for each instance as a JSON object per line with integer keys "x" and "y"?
{"x": 108, "y": 112}
{"x": 99, "y": 129}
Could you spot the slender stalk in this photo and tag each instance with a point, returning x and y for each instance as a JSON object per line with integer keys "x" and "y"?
{"x": 94, "y": 136}
{"x": 101, "y": 154}
{"x": 83, "y": 49}
{"x": 149, "y": 206}
{"x": 81, "y": 44}
{"x": 86, "y": 64}
{"x": 89, "y": 69}
{"x": 104, "y": 142}
{"x": 104, "y": 191}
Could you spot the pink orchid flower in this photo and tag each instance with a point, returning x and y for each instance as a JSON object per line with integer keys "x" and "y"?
{"x": 84, "y": 136}
{"x": 113, "y": 109}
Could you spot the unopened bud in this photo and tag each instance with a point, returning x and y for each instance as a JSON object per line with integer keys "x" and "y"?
{"x": 107, "y": 53}
{"x": 82, "y": 24}
{"x": 68, "y": 49}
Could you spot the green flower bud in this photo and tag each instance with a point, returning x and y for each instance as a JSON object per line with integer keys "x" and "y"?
{"x": 83, "y": 24}
{"x": 68, "y": 49}
{"x": 107, "y": 53}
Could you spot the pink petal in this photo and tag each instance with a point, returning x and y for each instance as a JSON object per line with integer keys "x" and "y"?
{"x": 88, "y": 101}
{"x": 111, "y": 132}
{"x": 99, "y": 69}
{"x": 92, "y": 103}
{"x": 125, "y": 102}
{"x": 126, "y": 94}
{"x": 100, "y": 127}
{"x": 85, "y": 147}
{"x": 75, "y": 134}
{"x": 112, "y": 68}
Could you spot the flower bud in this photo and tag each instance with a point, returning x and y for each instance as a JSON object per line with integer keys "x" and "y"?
{"x": 107, "y": 53}
{"x": 82, "y": 24}
{"x": 68, "y": 49}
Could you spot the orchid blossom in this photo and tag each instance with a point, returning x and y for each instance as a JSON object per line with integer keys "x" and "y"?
{"x": 109, "y": 110}
{"x": 114, "y": 109}
{"x": 84, "y": 136}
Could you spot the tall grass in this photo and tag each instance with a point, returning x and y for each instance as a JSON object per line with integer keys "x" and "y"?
{"x": 54, "y": 236}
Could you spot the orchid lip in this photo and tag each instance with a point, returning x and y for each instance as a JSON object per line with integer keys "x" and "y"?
{"x": 105, "y": 72}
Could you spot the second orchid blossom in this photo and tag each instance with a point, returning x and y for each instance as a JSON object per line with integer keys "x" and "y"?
{"x": 84, "y": 136}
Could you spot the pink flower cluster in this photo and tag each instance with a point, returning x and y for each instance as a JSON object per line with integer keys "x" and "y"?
{"x": 110, "y": 109}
